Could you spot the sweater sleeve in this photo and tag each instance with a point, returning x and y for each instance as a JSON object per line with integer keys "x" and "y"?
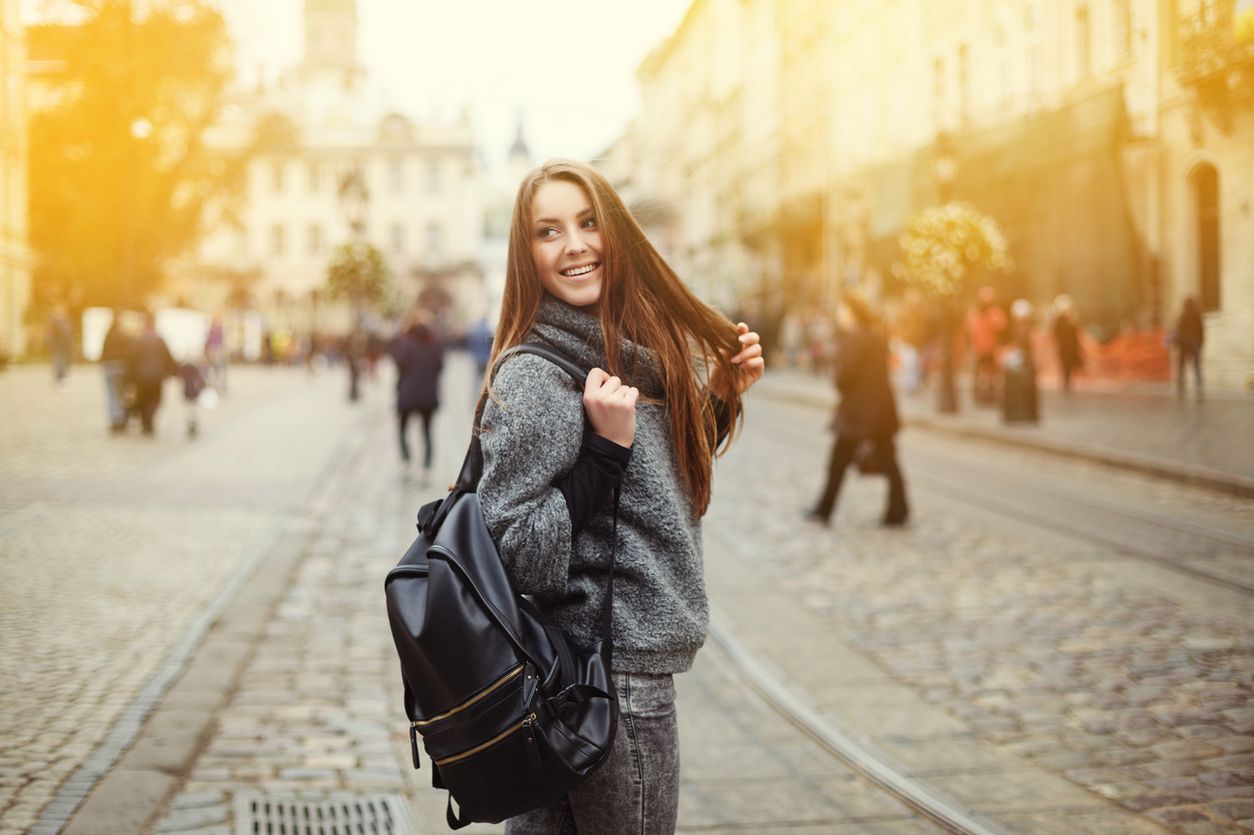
{"x": 530, "y": 440}
{"x": 595, "y": 475}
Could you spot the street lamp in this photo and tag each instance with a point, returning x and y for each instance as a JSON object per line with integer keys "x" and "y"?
{"x": 945, "y": 170}
{"x": 944, "y": 166}
{"x": 140, "y": 131}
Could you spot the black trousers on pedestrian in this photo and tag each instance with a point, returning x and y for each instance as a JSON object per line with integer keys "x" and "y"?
{"x": 403, "y": 420}
{"x": 147, "y": 401}
{"x": 842, "y": 456}
{"x": 1185, "y": 357}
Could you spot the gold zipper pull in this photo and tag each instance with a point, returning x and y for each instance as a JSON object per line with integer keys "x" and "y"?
{"x": 533, "y": 747}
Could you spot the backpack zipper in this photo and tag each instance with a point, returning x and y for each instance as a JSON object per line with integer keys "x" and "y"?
{"x": 473, "y": 700}
{"x": 526, "y": 723}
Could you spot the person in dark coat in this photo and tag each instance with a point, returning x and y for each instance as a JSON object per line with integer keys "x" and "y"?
{"x": 150, "y": 363}
{"x": 113, "y": 358}
{"x": 867, "y": 414}
{"x": 419, "y": 359}
{"x": 1189, "y": 337}
{"x": 1067, "y": 340}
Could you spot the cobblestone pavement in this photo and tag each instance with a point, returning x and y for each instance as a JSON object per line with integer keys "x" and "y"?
{"x": 317, "y": 711}
{"x": 114, "y": 546}
{"x": 1140, "y": 692}
{"x": 1213, "y": 435}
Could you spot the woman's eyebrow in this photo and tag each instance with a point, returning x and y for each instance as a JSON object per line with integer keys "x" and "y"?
{"x": 586, "y": 211}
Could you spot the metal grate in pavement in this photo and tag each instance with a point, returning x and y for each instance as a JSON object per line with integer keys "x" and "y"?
{"x": 337, "y": 814}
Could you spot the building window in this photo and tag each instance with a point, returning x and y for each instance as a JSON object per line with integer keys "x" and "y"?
{"x": 1032, "y": 33}
{"x": 964, "y": 83}
{"x": 1206, "y": 204}
{"x": 398, "y": 238}
{"x": 278, "y": 240}
{"x": 276, "y": 176}
{"x": 315, "y": 239}
{"x": 433, "y": 176}
{"x": 1123, "y": 27}
{"x": 1083, "y": 40}
{"x": 314, "y": 175}
{"x": 433, "y": 243}
{"x": 396, "y": 176}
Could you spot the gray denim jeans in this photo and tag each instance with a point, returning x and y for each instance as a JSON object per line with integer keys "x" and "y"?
{"x": 636, "y": 790}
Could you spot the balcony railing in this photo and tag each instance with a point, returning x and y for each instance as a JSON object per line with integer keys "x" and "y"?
{"x": 1214, "y": 41}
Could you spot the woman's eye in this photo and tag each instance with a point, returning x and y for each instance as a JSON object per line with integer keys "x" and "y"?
{"x": 590, "y": 223}
{"x": 548, "y": 232}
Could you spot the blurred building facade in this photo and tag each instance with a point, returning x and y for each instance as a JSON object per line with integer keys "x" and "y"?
{"x": 330, "y": 164}
{"x": 791, "y": 141}
{"x": 14, "y": 247}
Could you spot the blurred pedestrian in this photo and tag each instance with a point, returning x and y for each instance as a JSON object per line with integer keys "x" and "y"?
{"x": 60, "y": 335}
{"x": 479, "y": 343}
{"x": 1067, "y": 340}
{"x": 1189, "y": 336}
{"x": 194, "y": 384}
{"x": 583, "y": 278}
{"x": 113, "y": 358}
{"x": 1019, "y": 393}
{"x": 355, "y": 359}
{"x": 419, "y": 359}
{"x": 216, "y": 354}
{"x": 986, "y": 328}
{"x": 150, "y": 363}
{"x": 866, "y": 417}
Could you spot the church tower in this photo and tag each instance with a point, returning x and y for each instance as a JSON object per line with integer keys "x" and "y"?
{"x": 331, "y": 37}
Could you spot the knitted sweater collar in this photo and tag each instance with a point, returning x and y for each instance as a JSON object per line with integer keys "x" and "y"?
{"x": 576, "y": 332}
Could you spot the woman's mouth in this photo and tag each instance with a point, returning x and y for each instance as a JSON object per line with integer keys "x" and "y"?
{"x": 581, "y": 270}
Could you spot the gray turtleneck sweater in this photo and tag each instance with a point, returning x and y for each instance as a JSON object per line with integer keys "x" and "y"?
{"x": 531, "y": 439}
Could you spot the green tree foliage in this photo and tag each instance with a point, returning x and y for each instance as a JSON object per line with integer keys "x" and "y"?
{"x": 120, "y": 174}
{"x": 358, "y": 273}
{"x": 945, "y": 247}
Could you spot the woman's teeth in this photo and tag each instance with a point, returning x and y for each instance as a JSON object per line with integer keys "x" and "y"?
{"x": 578, "y": 271}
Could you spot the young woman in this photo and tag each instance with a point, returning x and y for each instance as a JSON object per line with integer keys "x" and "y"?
{"x": 867, "y": 411}
{"x": 663, "y": 393}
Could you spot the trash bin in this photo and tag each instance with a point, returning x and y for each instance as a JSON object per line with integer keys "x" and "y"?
{"x": 1018, "y": 390}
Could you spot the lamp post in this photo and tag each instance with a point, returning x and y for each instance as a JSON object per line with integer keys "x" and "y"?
{"x": 140, "y": 131}
{"x": 945, "y": 170}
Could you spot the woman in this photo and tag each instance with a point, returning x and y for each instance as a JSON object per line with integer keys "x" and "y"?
{"x": 663, "y": 391}
{"x": 1067, "y": 340}
{"x": 1190, "y": 335}
{"x": 419, "y": 360}
{"x": 867, "y": 413}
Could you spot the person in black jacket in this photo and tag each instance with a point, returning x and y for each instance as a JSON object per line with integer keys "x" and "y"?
{"x": 419, "y": 359}
{"x": 113, "y": 356}
{"x": 1189, "y": 336}
{"x": 866, "y": 419}
{"x": 149, "y": 364}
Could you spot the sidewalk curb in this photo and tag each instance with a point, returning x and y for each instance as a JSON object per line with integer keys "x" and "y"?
{"x": 1229, "y": 483}
{"x": 128, "y": 799}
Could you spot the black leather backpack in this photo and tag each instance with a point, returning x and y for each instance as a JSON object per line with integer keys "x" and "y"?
{"x": 512, "y": 715}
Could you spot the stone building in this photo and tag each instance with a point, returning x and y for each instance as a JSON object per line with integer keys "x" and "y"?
{"x": 15, "y": 265}
{"x": 1112, "y": 139}
{"x": 331, "y": 164}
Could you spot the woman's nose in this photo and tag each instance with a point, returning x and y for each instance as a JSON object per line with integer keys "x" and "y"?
{"x": 575, "y": 243}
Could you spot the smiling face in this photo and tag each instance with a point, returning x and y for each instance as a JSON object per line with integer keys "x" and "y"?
{"x": 566, "y": 243}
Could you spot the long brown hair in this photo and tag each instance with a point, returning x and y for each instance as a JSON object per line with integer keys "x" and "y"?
{"x": 643, "y": 301}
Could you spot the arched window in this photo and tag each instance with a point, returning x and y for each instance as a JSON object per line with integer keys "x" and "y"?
{"x": 1205, "y": 182}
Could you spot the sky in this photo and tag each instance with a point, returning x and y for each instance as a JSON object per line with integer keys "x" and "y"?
{"x": 567, "y": 66}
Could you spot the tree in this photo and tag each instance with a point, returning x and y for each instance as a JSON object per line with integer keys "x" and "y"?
{"x": 358, "y": 272}
{"x": 120, "y": 173}
{"x": 943, "y": 250}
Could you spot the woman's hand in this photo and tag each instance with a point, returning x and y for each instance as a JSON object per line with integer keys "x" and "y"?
{"x": 611, "y": 407}
{"x": 748, "y": 362}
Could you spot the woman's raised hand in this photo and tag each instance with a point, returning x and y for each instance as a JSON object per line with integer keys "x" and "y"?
{"x": 748, "y": 361}
{"x": 611, "y": 407}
